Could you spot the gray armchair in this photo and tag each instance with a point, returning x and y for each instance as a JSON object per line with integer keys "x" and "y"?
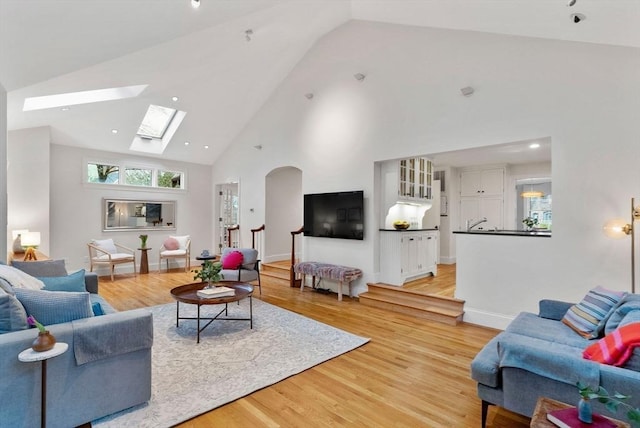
{"x": 248, "y": 271}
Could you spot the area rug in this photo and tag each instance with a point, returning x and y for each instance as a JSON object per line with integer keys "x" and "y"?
{"x": 230, "y": 361}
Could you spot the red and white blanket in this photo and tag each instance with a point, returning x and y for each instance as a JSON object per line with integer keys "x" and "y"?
{"x": 616, "y": 347}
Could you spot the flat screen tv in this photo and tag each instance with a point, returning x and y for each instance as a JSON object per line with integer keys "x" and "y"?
{"x": 334, "y": 215}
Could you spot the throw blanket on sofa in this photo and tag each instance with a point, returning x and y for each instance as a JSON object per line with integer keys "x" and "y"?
{"x": 616, "y": 347}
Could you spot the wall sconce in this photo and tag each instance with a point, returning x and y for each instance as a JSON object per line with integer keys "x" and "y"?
{"x": 619, "y": 228}
{"x": 30, "y": 242}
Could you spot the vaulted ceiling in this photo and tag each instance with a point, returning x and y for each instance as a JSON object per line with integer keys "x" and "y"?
{"x": 203, "y": 56}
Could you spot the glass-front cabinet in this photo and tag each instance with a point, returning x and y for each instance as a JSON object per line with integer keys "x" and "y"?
{"x": 415, "y": 179}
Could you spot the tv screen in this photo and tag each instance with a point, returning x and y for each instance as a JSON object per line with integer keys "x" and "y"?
{"x": 154, "y": 213}
{"x": 334, "y": 215}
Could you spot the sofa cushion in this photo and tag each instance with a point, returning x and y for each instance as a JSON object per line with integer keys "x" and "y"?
{"x": 553, "y": 331}
{"x": 12, "y": 314}
{"x": 106, "y": 245}
{"x": 232, "y": 260}
{"x": 630, "y": 303}
{"x": 19, "y": 279}
{"x": 588, "y": 317}
{"x": 55, "y": 307}
{"x": 42, "y": 267}
{"x": 71, "y": 282}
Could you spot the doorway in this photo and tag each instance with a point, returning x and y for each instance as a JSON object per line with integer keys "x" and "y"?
{"x": 283, "y": 211}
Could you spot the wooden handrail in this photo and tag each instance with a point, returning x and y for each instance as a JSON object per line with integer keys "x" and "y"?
{"x": 293, "y": 282}
{"x": 253, "y": 235}
{"x": 229, "y": 230}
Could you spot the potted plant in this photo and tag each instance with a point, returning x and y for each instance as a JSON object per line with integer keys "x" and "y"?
{"x": 530, "y": 222}
{"x": 210, "y": 272}
{"x": 611, "y": 402}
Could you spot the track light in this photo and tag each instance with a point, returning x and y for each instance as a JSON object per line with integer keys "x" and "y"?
{"x": 467, "y": 91}
{"x": 577, "y": 17}
{"x": 571, "y": 2}
{"x": 309, "y": 96}
{"x": 247, "y": 34}
{"x": 359, "y": 77}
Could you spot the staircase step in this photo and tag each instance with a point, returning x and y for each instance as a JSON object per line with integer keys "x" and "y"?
{"x": 412, "y": 296}
{"x": 433, "y": 313}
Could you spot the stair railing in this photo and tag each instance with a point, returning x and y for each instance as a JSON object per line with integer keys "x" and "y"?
{"x": 293, "y": 281}
{"x": 257, "y": 236}
{"x": 230, "y": 242}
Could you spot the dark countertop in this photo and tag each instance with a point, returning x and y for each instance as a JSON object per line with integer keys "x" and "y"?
{"x": 534, "y": 233}
{"x": 408, "y": 230}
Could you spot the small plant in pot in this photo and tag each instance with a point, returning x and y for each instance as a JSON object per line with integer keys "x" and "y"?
{"x": 612, "y": 402}
{"x": 210, "y": 273}
{"x": 530, "y": 222}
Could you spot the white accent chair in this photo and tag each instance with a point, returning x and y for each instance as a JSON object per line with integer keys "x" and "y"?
{"x": 248, "y": 271}
{"x": 105, "y": 252}
{"x": 180, "y": 251}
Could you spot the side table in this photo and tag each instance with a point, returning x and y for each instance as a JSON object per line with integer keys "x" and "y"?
{"x": 29, "y": 356}
{"x": 546, "y": 405}
{"x": 202, "y": 258}
{"x": 144, "y": 260}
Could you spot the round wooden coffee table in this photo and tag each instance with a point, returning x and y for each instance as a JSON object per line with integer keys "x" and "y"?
{"x": 188, "y": 294}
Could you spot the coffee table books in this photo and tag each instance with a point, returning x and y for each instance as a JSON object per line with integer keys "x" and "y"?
{"x": 568, "y": 418}
{"x": 210, "y": 293}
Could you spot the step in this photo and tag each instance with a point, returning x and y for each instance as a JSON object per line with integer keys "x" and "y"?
{"x": 409, "y": 296}
{"x": 433, "y": 313}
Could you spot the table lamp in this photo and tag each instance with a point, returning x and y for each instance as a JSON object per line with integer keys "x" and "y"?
{"x": 30, "y": 241}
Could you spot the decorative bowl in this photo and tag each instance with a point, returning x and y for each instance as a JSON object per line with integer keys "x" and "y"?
{"x": 401, "y": 226}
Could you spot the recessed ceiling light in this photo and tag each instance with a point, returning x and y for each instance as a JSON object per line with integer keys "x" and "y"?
{"x": 65, "y": 109}
{"x": 186, "y": 143}
{"x": 195, "y": 4}
{"x": 534, "y": 145}
{"x": 174, "y": 98}
{"x": 206, "y": 147}
{"x": 114, "y": 131}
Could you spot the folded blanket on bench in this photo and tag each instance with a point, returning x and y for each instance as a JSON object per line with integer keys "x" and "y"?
{"x": 616, "y": 347}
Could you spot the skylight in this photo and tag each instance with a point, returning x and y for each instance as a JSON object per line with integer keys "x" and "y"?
{"x": 156, "y": 121}
{"x": 83, "y": 97}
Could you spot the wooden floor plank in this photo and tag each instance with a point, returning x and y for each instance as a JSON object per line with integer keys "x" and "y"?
{"x": 413, "y": 372}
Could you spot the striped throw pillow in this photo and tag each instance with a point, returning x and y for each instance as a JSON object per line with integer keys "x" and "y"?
{"x": 588, "y": 317}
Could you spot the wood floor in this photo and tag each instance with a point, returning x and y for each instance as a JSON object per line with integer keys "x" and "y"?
{"x": 413, "y": 373}
{"x": 443, "y": 284}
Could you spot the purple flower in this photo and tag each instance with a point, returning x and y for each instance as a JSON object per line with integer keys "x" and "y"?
{"x": 33, "y": 322}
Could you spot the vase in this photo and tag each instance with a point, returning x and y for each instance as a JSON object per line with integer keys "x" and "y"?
{"x": 585, "y": 413}
{"x": 43, "y": 342}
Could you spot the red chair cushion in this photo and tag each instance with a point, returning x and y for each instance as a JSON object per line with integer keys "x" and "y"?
{"x": 233, "y": 260}
{"x": 171, "y": 244}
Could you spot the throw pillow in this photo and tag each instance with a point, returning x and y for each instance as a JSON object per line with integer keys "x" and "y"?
{"x": 232, "y": 260}
{"x": 630, "y": 303}
{"x": 12, "y": 314}
{"x": 96, "y": 307}
{"x": 105, "y": 245}
{"x": 71, "y": 282}
{"x": 182, "y": 241}
{"x": 171, "y": 244}
{"x": 588, "y": 317}
{"x": 19, "y": 279}
{"x": 55, "y": 307}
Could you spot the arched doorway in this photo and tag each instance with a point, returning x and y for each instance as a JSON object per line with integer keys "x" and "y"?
{"x": 283, "y": 211}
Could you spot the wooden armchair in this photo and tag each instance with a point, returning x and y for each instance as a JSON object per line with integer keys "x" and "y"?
{"x": 176, "y": 247}
{"x": 105, "y": 252}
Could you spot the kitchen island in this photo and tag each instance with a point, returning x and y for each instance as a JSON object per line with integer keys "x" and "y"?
{"x": 535, "y": 233}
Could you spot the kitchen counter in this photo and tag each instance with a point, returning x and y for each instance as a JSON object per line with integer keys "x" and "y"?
{"x": 408, "y": 230}
{"x": 534, "y": 233}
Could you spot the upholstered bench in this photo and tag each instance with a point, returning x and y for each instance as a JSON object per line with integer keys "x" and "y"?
{"x": 338, "y": 273}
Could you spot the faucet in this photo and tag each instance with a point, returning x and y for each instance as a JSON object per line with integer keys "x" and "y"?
{"x": 471, "y": 225}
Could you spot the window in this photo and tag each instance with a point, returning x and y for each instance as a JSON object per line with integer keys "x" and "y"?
{"x": 101, "y": 173}
{"x": 156, "y": 121}
{"x": 170, "y": 179}
{"x": 138, "y": 176}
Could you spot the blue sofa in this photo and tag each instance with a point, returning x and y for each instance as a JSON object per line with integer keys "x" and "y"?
{"x": 107, "y": 367}
{"x": 538, "y": 355}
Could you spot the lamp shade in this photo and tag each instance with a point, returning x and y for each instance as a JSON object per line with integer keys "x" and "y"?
{"x": 617, "y": 228}
{"x": 18, "y": 232}
{"x": 30, "y": 239}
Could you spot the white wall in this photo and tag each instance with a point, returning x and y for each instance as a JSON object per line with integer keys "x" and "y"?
{"x": 28, "y": 183}
{"x": 76, "y": 207}
{"x": 3, "y": 171}
{"x": 586, "y": 97}
{"x": 283, "y": 190}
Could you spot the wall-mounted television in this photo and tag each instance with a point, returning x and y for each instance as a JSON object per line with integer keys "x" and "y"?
{"x": 334, "y": 215}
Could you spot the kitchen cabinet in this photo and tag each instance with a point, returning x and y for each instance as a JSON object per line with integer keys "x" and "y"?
{"x": 407, "y": 255}
{"x": 415, "y": 178}
{"x": 482, "y": 195}
{"x": 483, "y": 182}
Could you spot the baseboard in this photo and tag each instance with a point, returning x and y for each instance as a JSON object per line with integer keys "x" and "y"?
{"x": 448, "y": 260}
{"x": 276, "y": 258}
{"x": 486, "y": 319}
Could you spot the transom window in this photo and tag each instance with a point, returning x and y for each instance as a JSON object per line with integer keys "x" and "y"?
{"x": 107, "y": 173}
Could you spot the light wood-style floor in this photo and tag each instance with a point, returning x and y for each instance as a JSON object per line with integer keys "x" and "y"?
{"x": 413, "y": 373}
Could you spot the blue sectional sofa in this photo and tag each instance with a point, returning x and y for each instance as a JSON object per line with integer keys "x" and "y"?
{"x": 538, "y": 355}
{"x": 107, "y": 367}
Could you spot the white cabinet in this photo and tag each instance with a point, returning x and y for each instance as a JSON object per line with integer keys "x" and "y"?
{"x": 407, "y": 255}
{"x": 415, "y": 177}
{"x": 483, "y": 182}
{"x": 482, "y": 195}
